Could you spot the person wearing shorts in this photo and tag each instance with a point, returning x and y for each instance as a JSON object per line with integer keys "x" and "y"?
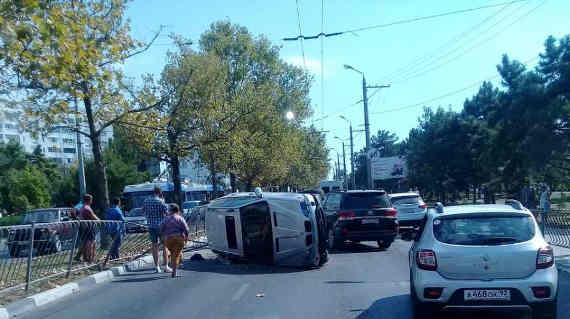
{"x": 88, "y": 229}
{"x": 155, "y": 210}
{"x": 175, "y": 231}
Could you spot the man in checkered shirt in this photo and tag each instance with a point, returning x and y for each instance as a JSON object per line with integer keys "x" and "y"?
{"x": 155, "y": 210}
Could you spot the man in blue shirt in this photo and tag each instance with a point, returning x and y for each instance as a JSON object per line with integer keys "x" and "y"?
{"x": 116, "y": 228}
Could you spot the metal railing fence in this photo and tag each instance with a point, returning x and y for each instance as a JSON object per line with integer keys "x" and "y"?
{"x": 555, "y": 226}
{"x": 36, "y": 252}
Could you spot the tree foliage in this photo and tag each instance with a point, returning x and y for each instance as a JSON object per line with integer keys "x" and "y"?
{"x": 56, "y": 52}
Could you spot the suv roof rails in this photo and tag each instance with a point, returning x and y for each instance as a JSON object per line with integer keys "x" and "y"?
{"x": 514, "y": 204}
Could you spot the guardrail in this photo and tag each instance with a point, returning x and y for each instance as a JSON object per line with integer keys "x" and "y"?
{"x": 32, "y": 253}
{"x": 555, "y": 226}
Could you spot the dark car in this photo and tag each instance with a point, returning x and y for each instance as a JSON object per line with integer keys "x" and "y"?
{"x": 360, "y": 216}
{"x": 50, "y": 235}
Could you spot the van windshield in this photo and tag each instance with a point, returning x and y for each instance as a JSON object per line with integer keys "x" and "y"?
{"x": 493, "y": 230}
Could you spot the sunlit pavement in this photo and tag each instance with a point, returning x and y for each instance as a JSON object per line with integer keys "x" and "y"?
{"x": 359, "y": 282}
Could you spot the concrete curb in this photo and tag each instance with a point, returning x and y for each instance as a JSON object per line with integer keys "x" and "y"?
{"x": 31, "y": 303}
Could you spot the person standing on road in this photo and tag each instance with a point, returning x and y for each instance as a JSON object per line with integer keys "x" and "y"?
{"x": 89, "y": 232}
{"x": 155, "y": 210}
{"x": 116, "y": 229}
{"x": 545, "y": 205}
{"x": 175, "y": 231}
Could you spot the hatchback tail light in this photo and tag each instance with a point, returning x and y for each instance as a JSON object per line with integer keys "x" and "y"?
{"x": 545, "y": 258}
{"x": 346, "y": 215}
{"x": 391, "y": 212}
{"x": 426, "y": 259}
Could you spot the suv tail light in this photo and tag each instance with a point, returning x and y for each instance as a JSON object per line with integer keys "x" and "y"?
{"x": 346, "y": 215}
{"x": 545, "y": 258}
{"x": 391, "y": 212}
{"x": 426, "y": 259}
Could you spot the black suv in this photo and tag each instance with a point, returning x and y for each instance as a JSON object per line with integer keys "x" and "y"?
{"x": 50, "y": 235}
{"x": 364, "y": 215}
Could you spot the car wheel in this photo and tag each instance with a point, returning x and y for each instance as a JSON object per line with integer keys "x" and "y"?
{"x": 14, "y": 251}
{"x": 324, "y": 258}
{"x": 382, "y": 244}
{"x": 333, "y": 242}
{"x": 56, "y": 245}
{"x": 545, "y": 310}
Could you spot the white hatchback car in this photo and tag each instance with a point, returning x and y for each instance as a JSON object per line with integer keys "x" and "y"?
{"x": 482, "y": 257}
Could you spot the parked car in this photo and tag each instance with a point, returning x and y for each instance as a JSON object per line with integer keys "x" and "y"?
{"x": 411, "y": 211}
{"x": 482, "y": 256}
{"x": 187, "y": 208}
{"x": 50, "y": 236}
{"x": 135, "y": 221}
{"x": 360, "y": 216}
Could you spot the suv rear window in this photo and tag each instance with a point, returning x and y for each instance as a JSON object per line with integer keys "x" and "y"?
{"x": 492, "y": 230}
{"x": 365, "y": 201}
{"x": 400, "y": 200}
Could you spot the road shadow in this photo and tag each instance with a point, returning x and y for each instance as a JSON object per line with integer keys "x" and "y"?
{"x": 139, "y": 279}
{"x": 355, "y": 248}
{"x": 215, "y": 265}
{"x": 400, "y": 307}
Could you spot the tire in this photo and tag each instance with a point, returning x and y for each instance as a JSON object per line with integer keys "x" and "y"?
{"x": 324, "y": 258}
{"x": 382, "y": 244}
{"x": 56, "y": 245}
{"x": 545, "y": 310}
{"x": 15, "y": 251}
{"x": 334, "y": 243}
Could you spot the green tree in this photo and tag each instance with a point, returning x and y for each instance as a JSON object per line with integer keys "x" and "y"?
{"x": 57, "y": 52}
{"x": 24, "y": 189}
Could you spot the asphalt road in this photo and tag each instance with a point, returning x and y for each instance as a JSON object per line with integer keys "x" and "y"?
{"x": 361, "y": 282}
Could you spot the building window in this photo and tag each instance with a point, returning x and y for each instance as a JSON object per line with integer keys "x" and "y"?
{"x": 69, "y": 150}
{"x": 53, "y": 149}
{"x": 13, "y": 138}
{"x": 68, "y": 141}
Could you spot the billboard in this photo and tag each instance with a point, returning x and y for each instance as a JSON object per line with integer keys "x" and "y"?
{"x": 386, "y": 167}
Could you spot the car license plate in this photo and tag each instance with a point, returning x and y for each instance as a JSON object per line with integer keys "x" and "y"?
{"x": 370, "y": 221}
{"x": 487, "y": 294}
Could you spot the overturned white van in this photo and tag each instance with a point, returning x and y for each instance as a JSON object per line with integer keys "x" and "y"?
{"x": 287, "y": 229}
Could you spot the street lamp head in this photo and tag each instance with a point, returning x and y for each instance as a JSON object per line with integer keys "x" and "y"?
{"x": 348, "y": 67}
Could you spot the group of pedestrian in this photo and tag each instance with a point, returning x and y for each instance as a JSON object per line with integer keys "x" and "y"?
{"x": 531, "y": 195}
{"x": 166, "y": 225}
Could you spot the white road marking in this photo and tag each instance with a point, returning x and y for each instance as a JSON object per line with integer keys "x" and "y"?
{"x": 240, "y": 292}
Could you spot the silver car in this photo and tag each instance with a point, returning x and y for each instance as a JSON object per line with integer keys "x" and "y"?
{"x": 411, "y": 209}
{"x": 482, "y": 257}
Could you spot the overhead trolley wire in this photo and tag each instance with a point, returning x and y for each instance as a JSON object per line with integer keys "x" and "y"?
{"x": 404, "y": 21}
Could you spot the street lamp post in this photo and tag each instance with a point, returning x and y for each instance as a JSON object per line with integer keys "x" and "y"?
{"x": 366, "y": 123}
{"x": 353, "y": 178}
{"x": 343, "y": 161}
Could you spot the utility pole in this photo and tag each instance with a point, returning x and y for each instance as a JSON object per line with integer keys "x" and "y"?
{"x": 344, "y": 164}
{"x": 366, "y": 122}
{"x": 338, "y": 164}
{"x": 81, "y": 168}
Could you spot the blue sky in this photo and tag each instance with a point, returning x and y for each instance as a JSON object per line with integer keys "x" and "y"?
{"x": 451, "y": 54}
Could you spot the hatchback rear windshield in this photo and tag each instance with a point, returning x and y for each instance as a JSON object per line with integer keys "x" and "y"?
{"x": 401, "y": 200}
{"x": 492, "y": 230}
{"x": 365, "y": 201}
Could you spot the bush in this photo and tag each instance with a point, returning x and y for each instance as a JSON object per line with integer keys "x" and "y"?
{"x": 11, "y": 220}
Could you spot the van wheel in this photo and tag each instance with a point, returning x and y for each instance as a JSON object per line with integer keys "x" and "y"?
{"x": 333, "y": 242}
{"x": 324, "y": 258}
